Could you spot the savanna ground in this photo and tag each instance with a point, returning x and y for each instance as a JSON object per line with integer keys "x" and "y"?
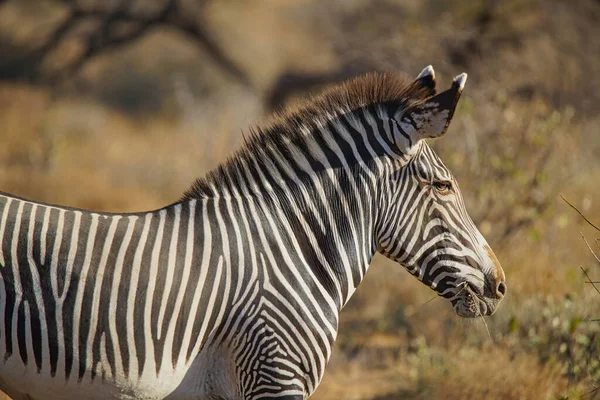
{"x": 121, "y": 110}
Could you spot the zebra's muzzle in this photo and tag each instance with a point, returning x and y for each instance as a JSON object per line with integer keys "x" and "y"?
{"x": 468, "y": 303}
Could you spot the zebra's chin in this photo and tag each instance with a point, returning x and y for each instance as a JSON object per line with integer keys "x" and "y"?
{"x": 466, "y": 309}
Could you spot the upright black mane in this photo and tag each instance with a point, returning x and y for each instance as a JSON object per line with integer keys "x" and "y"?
{"x": 292, "y": 123}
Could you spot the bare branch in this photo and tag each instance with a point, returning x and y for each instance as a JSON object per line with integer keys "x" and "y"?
{"x": 589, "y": 279}
{"x": 589, "y": 247}
{"x": 590, "y": 392}
{"x": 579, "y": 212}
{"x": 201, "y": 36}
{"x": 104, "y": 38}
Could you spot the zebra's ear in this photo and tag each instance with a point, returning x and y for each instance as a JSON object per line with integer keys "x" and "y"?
{"x": 426, "y": 79}
{"x": 431, "y": 119}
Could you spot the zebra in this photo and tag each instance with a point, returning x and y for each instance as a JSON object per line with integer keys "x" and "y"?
{"x": 235, "y": 291}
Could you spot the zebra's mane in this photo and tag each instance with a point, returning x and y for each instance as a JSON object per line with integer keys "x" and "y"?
{"x": 292, "y": 123}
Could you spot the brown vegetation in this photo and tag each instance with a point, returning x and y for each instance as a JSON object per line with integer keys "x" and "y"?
{"x": 134, "y": 124}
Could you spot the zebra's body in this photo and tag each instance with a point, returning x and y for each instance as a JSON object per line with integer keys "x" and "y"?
{"x": 235, "y": 291}
{"x": 131, "y": 321}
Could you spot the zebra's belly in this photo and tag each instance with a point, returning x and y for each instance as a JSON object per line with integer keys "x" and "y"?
{"x": 195, "y": 382}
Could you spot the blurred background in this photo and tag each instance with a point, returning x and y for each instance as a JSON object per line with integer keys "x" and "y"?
{"x": 118, "y": 105}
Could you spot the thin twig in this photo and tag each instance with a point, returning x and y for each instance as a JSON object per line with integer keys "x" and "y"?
{"x": 590, "y": 392}
{"x": 485, "y": 324}
{"x": 480, "y": 315}
{"x": 579, "y": 212}
{"x": 464, "y": 286}
{"x": 429, "y": 301}
{"x": 587, "y": 276}
{"x": 421, "y": 307}
{"x": 589, "y": 247}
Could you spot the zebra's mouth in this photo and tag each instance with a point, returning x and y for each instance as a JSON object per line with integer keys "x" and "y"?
{"x": 470, "y": 304}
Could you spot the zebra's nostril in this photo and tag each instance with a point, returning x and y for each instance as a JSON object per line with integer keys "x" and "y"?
{"x": 501, "y": 290}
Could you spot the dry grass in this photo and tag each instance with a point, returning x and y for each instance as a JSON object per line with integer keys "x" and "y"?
{"x": 472, "y": 374}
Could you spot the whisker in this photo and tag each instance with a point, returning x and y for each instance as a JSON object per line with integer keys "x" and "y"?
{"x": 485, "y": 325}
{"x": 421, "y": 307}
{"x": 464, "y": 285}
{"x": 481, "y": 316}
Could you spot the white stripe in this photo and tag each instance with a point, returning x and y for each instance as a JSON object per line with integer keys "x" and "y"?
{"x": 150, "y": 362}
{"x": 210, "y": 306}
{"x": 3, "y": 228}
{"x": 28, "y": 335}
{"x": 204, "y": 267}
{"x": 37, "y": 288}
{"x": 167, "y": 360}
{"x": 16, "y": 275}
{"x": 98, "y": 279}
{"x": 226, "y": 251}
{"x": 113, "y": 299}
{"x": 103, "y": 366}
{"x": 2, "y": 310}
{"x": 44, "y": 235}
{"x": 81, "y": 290}
{"x": 170, "y": 270}
{"x": 133, "y": 287}
{"x": 73, "y": 244}
{"x": 240, "y": 249}
{"x": 58, "y": 236}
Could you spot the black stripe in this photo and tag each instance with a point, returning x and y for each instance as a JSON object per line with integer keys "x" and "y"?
{"x": 178, "y": 266}
{"x": 27, "y": 283}
{"x": 75, "y": 285}
{"x": 159, "y": 291}
{"x": 140, "y": 297}
{"x": 88, "y": 295}
{"x": 180, "y": 319}
{"x": 21, "y": 334}
{"x": 123, "y": 293}
{"x": 8, "y": 278}
{"x": 103, "y": 318}
{"x": 45, "y": 281}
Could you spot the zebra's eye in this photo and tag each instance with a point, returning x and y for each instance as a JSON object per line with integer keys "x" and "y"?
{"x": 444, "y": 187}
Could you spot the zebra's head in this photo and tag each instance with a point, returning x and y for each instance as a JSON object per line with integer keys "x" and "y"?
{"x": 426, "y": 227}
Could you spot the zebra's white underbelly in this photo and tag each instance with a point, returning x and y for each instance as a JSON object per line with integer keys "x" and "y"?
{"x": 205, "y": 376}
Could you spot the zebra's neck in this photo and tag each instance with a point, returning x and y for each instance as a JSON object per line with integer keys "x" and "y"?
{"x": 318, "y": 193}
